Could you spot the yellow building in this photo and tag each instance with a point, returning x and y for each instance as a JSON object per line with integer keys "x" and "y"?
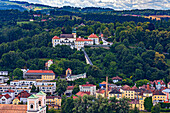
{"x": 16, "y": 101}
{"x": 40, "y": 75}
{"x": 127, "y": 92}
{"x": 100, "y": 92}
{"x": 158, "y": 96}
{"x": 115, "y": 93}
{"x": 53, "y": 100}
{"x": 141, "y": 103}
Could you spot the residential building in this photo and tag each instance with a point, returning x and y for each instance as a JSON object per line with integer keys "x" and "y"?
{"x": 22, "y": 82}
{"x": 5, "y": 99}
{"x": 10, "y": 92}
{"x": 116, "y": 79}
{"x": 127, "y": 92}
{"x": 69, "y": 90}
{"x": 70, "y": 77}
{"x": 95, "y": 39}
{"x": 48, "y": 64}
{"x": 101, "y": 93}
{"x": 16, "y": 101}
{"x": 40, "y": 75}
{"x": 3, "y": 76}
{"x": 80, "y": 42}
{"x": 158, "y": 84}
{"x": 88, "y": 88}
{"x": 167, "y": 93}
{"x": 158, "y": 96}
{"x": 53, "y": 100}
{"x": 115, "y": 93}
{"x": 50, "y": 89}
{"x": 23, "y": 96}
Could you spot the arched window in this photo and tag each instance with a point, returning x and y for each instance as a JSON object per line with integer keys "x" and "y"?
{"x": 39, "y": 103}
{"x": 31, "y": 106}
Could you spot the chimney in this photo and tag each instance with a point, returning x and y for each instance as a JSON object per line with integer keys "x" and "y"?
{"x": 106, "y": 86}
{"x": 148, "y": 86}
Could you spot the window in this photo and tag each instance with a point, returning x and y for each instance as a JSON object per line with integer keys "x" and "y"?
{"x": 31, "y": 106}
{"x": 39, "y": 103}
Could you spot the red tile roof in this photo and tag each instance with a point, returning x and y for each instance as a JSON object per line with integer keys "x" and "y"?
{"x": 126, "y": 87}
{"x": 10, "y": 90}
{"x": 103, "y": 82}
{"x": 23, "y": 94}
{"x": 100, "y": 91}
{"x": 40, "y": 71}
{"x": 55, "y": 37}
{"x": 116, "y": 78}
{"x": 134, "y": 87}
{"x": 82, "y": 39}
{"x": 88, "y": 85}
{"x": 10, "y": 108}
{"x": 82, "y": 93}
{"x": 7, "y": 96}
{"x": 161, "y": 82}
{"x": 69, "y": 69}
{"x": 70, "y": 87}
{"x": 93, "y": 36}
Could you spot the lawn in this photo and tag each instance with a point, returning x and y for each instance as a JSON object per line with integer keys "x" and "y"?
{"x": 23, "y": 22}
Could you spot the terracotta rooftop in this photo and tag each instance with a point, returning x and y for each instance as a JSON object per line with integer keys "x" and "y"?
{"x": 82, "y": 93}
{"x": 100, "y": 91}
{"x": 158, "y": 92}
{"x": 93, "y": 36}
{"x": 55, "y": 37}
{"x": 116, "y": 78}
{"x": 70, "y": 87}
{"x": 7, "y": 96}
{"x": 103, "y": 82}
{"x": 40, "y": 71}
{"x": 10, "y": 108}
{"x": 82, "y": 39}
{"x": 10, "y": 90}
{"x": 126, "y": 87}
{"x": 23, "y": 94}
{"x": 161, "y": 82}
{"x": 134, "y": 87}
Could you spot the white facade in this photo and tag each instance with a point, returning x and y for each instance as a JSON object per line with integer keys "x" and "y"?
{"x": 88, "y": 88}
{"x": 4, "y": 73}
{"x": 3, "y": 79}
{"x": 4, "y": 100}
{"x": 75, "y": 77}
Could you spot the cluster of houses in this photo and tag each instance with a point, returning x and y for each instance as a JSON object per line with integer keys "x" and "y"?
{"x": 159, "y": 93}
{"x": 78, "y": 43}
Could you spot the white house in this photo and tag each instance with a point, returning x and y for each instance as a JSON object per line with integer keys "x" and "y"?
{"x": 10, "y": 92}
{"x": 5, "y": 99}
{"x": 48, "y": 64}
{"x": 116, "y": 79}
{"x": 88, "y": 88}
{"x": 95, "y": 38}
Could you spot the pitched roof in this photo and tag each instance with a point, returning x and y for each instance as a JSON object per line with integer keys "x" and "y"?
{"x": 33, "y": 96}
{"x": 69, "y": 69}
{"x": 126, "y": 87}
{"x": 82, "y": 93}
{"x": 161, "y": 82}
{"x": 88, "y": 85}
{"x": 116, "y": 78}
{"x": 10, "y": 90}
{"x": 70, "y": 87}
{"x": 103, "y": 82}
{"x": 66, "y": 36}
{"x": 93, "y": 36}
{"x": 10, "y": 108}
{"x": 55, "y": 37}
{"x": 23, "y": 94}
{"x": 40, "y": 71}
{"x": 82, "y": 39}
{"x": 115, "y": 91}
{"x": 100, "y": 91}
{"x": 158, "y": 92}
{"x": 41, "y": 93}
{"x": 134, "y": 87}
{"x": 7, "y": 96}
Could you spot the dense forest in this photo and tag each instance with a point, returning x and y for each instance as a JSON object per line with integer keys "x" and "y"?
{"x": 140, "y": 47}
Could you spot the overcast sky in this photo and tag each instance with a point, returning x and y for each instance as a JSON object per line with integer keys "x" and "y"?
{"x": 115, "y": 4}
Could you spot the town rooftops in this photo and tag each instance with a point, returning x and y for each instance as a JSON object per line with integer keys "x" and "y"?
{"x": 40, "y": 71}
{"x": 82, "y": 93}
{"x": 55, "y": 37}
{"x": 70, "y": 87}
{"x": 101, "y": 91}
{"x": 82, "y": 39}
{"x": 115, "y": 91}
{"x": 24, "y": 94}
{"x": 93, "y": 36}
{"x": 158, "y": 82}
{"x": 10, "y": 91}
{"x": 7, "y": 96}
{"x": 88, "y": 85}
{"x": 158, "y": 92}
{"x": 103, "y": 82}
{"x": 10, "y": 108}
{"x": 116, "y": 78}
{"x": 66, "y": 36}
{"x": 134, "y": 87}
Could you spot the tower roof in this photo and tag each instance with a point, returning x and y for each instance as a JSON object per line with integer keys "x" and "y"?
{"x": 41, "y": 93}
{"x": 33, "y": 96}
